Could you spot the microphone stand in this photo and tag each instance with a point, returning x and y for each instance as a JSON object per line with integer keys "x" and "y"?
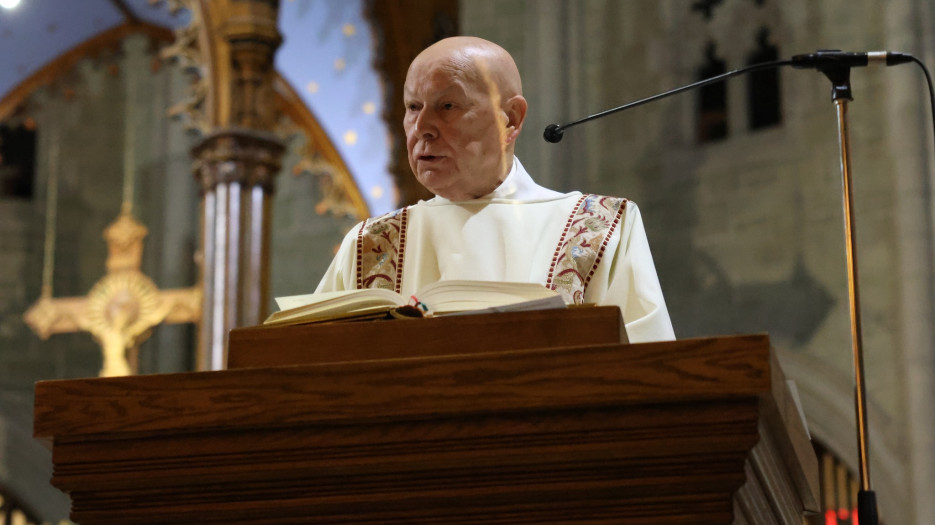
{"x": 840, "y": 77}
{"x": 836, "y": 66}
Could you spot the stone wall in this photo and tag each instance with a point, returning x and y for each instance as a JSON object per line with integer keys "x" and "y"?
{"x": 85, "y": 113}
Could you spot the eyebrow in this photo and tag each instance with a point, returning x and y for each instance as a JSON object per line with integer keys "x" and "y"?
{"x": 408, "y": 94}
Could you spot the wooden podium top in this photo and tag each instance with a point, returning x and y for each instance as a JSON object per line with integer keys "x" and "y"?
{"x": 695, "y": 432}
{"x": 446, "y": 335}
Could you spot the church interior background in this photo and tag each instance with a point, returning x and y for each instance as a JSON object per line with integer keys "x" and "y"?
{"x": 171, "y": 112}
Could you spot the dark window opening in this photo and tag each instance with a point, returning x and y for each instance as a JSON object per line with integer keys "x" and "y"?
{"x": 712, "y": 99}
{"x": 764, "y": 108}
{"x": 17, "y": 160}
{"x": 706, "y": 7}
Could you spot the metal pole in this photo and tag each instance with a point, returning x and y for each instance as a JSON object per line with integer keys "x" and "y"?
{"x": 853, "y": 289}
{"x": 866, "y": 499}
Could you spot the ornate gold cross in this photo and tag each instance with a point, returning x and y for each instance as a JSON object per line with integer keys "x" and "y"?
{"x": 122, "y": 307}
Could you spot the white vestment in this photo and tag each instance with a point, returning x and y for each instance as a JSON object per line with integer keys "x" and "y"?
{"x": 511, "y": 235}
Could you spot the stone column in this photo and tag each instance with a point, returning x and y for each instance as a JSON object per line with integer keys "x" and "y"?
{"x": 236, "y": 168}
{"x": 910, "y": 144}
{"x": 235, "y": 164}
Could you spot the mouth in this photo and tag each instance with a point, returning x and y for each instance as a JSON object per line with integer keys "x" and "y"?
{"x": 429, "y": 158}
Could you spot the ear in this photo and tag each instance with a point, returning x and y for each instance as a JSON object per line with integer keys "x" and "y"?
{"x": 515, "y": 110}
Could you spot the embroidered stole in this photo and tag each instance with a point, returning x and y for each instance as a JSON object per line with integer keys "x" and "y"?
{"x": 381, "y": 247}
{"x": 582, "y": 245}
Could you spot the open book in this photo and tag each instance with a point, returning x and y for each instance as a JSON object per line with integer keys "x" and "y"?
{"x": 441, "y": 297}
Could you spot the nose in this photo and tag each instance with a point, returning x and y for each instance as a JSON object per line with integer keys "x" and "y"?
{"x": 425, "y": 124}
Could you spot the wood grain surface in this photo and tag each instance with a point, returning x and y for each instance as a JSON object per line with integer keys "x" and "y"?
{"x": 609, "y": 433}
{"x": 259, "y": 346}
{"x": 405, "y": 387}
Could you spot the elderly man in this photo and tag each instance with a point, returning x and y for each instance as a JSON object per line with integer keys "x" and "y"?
{"x": 489, "y": 221}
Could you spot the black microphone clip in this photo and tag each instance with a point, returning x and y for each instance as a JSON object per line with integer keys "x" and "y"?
{"x": 836, "y": 59}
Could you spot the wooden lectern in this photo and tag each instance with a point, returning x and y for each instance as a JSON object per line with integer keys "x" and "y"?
{"x": 532, "y": 417}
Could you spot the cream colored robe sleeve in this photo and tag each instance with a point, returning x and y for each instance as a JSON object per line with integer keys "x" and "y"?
{"x": 341, "y": 274}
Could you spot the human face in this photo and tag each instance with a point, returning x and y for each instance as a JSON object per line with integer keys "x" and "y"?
{"x": 454, "y": 130}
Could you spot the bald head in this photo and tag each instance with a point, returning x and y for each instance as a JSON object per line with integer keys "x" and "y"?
{"x": 464, "y": 111}
{"x": 486, "y": 61}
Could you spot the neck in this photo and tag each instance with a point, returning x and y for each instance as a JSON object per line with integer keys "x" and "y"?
{"x": 505, "y": 169}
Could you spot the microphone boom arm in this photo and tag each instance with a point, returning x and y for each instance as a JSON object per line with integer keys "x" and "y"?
{"x": 554, "y": 132}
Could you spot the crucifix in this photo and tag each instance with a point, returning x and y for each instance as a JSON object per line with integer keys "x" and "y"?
{"x": 122, "y": 308}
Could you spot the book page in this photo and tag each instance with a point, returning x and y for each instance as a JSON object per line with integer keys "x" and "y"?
{"x": 545, "y": 303}
{"x": 332, "y": 305}
{"x": 294, "y": 301}
{"x": 456, "y": 296}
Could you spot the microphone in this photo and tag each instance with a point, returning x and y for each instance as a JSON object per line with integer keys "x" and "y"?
{"x": 553, "y": 133}
{"x": 835, "y": 58}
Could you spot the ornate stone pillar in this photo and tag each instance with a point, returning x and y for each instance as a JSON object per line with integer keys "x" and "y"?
{"x": 235, "y": 164}
{"x": 236, "y": 168}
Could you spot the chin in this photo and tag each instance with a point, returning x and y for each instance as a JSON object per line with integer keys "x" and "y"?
{"x": 445, "y": 193}
{"x": 434, "y": 183}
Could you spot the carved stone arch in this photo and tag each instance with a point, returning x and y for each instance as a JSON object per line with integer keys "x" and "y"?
{"x": 208, "y": 48}
{"x": 828, "y": 401}
{"x": 342, "y": 195}
{"x": 61, "y": 72}
{"x": 203, "y": 49}
{"x": 63, "y": 64}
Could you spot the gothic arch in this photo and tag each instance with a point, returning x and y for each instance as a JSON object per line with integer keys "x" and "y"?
{"x": 342, "y": 193}
{"x": 105, "y": 41}
{"x": 200, "y": 48}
